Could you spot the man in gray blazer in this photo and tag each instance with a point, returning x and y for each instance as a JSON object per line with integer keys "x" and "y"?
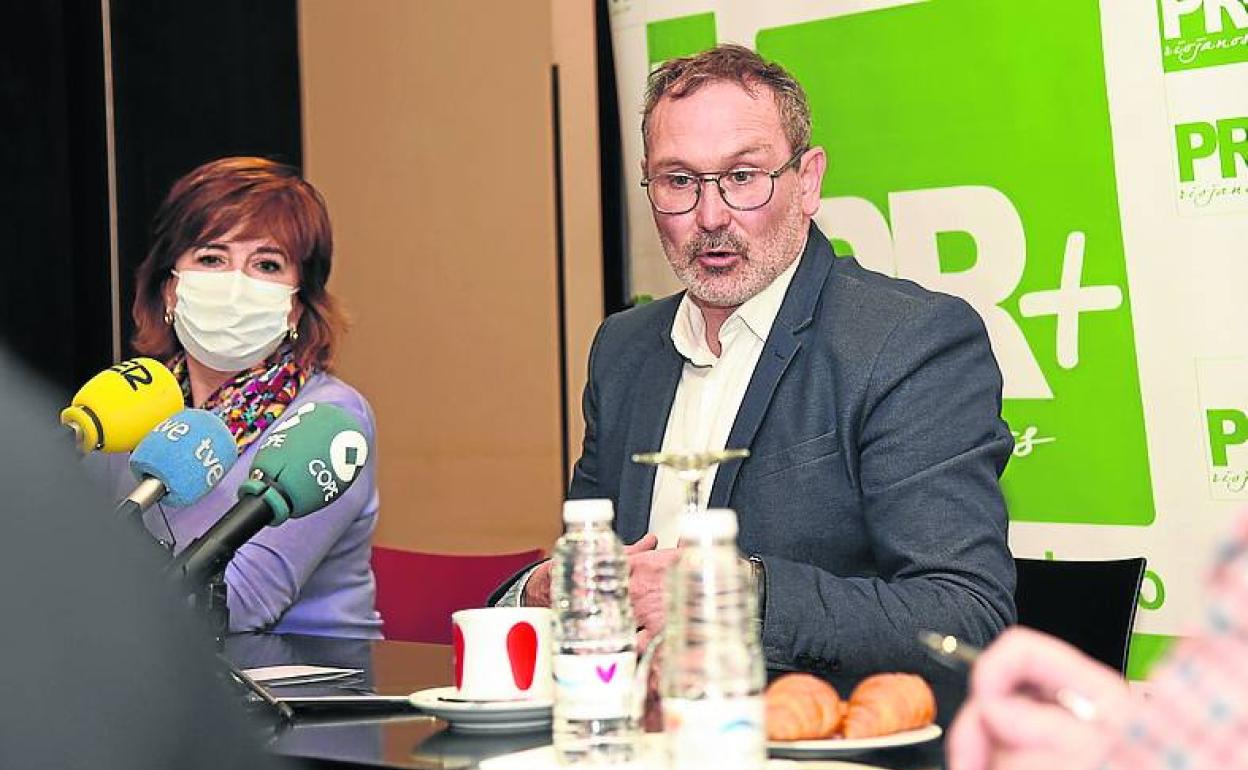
{"x": 869, "y": 504}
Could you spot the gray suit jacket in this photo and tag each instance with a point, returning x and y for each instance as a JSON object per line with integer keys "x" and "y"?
{"x": 871, "y": 492}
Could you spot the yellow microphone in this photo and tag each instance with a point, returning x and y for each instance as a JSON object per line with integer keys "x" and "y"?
{"x": 117, "y": 408}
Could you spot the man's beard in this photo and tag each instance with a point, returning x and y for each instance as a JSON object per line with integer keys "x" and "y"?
{"x": 758, "y": 263}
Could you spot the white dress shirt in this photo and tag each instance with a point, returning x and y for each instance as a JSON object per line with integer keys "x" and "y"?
{"x": 710, "y": 392}
{"x": 707, "y": 400}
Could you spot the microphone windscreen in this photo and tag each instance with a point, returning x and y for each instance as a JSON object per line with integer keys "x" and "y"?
{"x": 117, "y": 407}
{"x": 312, "y": 456}
{"x": 188, "y": 453}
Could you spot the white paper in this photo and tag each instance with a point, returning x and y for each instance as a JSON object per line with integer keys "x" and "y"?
{"x": 287, "y": 675}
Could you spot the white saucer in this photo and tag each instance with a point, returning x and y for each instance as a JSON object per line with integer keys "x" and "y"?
{"x": 483, "y": 716}
{"x": 842, "y": 747}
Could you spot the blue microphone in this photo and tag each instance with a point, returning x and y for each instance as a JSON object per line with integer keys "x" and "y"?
{"x": 183, "y": 457}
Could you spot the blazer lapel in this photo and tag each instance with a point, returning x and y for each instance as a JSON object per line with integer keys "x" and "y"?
{"x": 782, "y": 346}
{"x": 652, "y": 402}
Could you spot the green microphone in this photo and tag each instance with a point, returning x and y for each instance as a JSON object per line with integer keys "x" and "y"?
{"x": 309, "y": 459}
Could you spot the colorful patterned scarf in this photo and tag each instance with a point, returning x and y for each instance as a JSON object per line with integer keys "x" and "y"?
{"x": 254, "y": 398}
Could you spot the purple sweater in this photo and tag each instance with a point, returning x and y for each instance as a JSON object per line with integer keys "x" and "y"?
{"x": 309, "y": 575}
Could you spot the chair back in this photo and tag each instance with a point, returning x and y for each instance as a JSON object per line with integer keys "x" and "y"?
{"x": 417, "y": 592}
{"x": 1090, "y": 604}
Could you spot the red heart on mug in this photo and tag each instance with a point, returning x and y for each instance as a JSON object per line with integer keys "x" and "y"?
{"x": 522, "y": 653}
{"x": 458, "y": 639}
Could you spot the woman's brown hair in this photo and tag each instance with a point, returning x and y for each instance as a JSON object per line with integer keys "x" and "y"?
{"x": 254, "y": 198}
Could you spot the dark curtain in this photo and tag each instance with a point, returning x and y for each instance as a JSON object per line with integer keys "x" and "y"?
{"x": 192, "y": 80}
{"x": 196, "y": 81}
{"x": 54, "y": 293}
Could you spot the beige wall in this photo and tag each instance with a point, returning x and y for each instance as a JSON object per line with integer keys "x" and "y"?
{"x": 427, "y": 125}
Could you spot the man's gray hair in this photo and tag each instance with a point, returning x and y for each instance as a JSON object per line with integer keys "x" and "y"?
{"x": 729, "y": 63}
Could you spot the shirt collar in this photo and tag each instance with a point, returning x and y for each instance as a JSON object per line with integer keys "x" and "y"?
{"x": 757, "y": 314}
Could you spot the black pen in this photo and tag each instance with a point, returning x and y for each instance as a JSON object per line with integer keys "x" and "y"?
{"x": 959, "y": 655}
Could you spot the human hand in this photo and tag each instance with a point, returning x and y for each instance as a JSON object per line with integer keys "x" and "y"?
{"x": 648, "y": 542}
{"x": 648, "y": 567}
{"x": 652, "y": 711}
{"x": 1010, "y": 720}
{"x": 537, "y": 591}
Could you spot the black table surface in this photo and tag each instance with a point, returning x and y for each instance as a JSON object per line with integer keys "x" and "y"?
{"x": 399, "y": 737}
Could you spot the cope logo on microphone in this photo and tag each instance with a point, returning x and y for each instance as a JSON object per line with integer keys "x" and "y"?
{"x": 324, "y": 478}
{"x": 347, "y": 453}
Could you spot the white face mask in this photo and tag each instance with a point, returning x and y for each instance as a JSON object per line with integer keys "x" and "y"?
{"x": 229, "y": 321}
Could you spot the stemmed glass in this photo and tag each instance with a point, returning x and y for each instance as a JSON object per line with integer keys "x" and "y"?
{"x": 690, "y": 467}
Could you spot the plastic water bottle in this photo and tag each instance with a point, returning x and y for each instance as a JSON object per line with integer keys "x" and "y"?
{"x": 595, "y": 648}
{"x": 713, "y": 673}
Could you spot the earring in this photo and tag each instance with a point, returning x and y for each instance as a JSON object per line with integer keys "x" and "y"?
{"x": 292, "y": 334}
{"x": 168, "y": 316}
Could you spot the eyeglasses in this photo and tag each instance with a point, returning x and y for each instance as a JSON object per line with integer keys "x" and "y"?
{"x": 743, "y": 189}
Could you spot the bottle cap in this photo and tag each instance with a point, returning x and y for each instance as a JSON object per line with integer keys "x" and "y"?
{"x": 587, "y": 511}
{"x": 717, "y": 523}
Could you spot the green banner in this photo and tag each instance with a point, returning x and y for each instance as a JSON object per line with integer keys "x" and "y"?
{"x": 1023, "y": 136}
{"x": 1077, "y": 171}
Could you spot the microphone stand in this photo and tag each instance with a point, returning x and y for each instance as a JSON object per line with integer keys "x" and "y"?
{"x": 131, "y": 511}
{"x": 208, "y": 598}
{"x": 211, "y": 601}
{"x": 284, "y": 712}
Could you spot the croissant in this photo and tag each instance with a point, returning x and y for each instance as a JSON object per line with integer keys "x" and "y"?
{"x": 801, "y": 706}
{"x": 889, "y": 703}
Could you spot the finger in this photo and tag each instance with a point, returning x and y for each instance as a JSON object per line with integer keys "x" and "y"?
{"x": 1025, "y": 660}
{"x": 645, "y": 575}
{"x": 667, "y": 556}
{"x": 658, "y": 560}
{"x": 1016, "y": 722}
{"x": 649, "y": 612}
{"x": 643, "y": 639}
{"x": 537, "y": 590}
{"x": 648, "y": 542}
{"x": 968, "y": 746}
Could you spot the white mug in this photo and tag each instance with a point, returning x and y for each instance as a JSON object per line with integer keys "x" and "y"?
{"x": 503, "y": 653}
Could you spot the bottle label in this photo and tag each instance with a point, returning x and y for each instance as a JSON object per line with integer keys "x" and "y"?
{"x": 594, "y": 686}
{"x": 724, "y": 733}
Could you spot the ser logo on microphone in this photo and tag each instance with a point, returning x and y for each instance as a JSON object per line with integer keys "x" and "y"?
{"x": 134, "y": 373}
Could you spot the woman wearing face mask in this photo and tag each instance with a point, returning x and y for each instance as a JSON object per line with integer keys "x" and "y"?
{"x": 232, "y": 297}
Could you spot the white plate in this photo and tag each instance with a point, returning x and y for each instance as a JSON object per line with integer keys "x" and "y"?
{"x": 840, "y": 747}
{"x": 653, "y": 755}
{"x": 482, "y": 716}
